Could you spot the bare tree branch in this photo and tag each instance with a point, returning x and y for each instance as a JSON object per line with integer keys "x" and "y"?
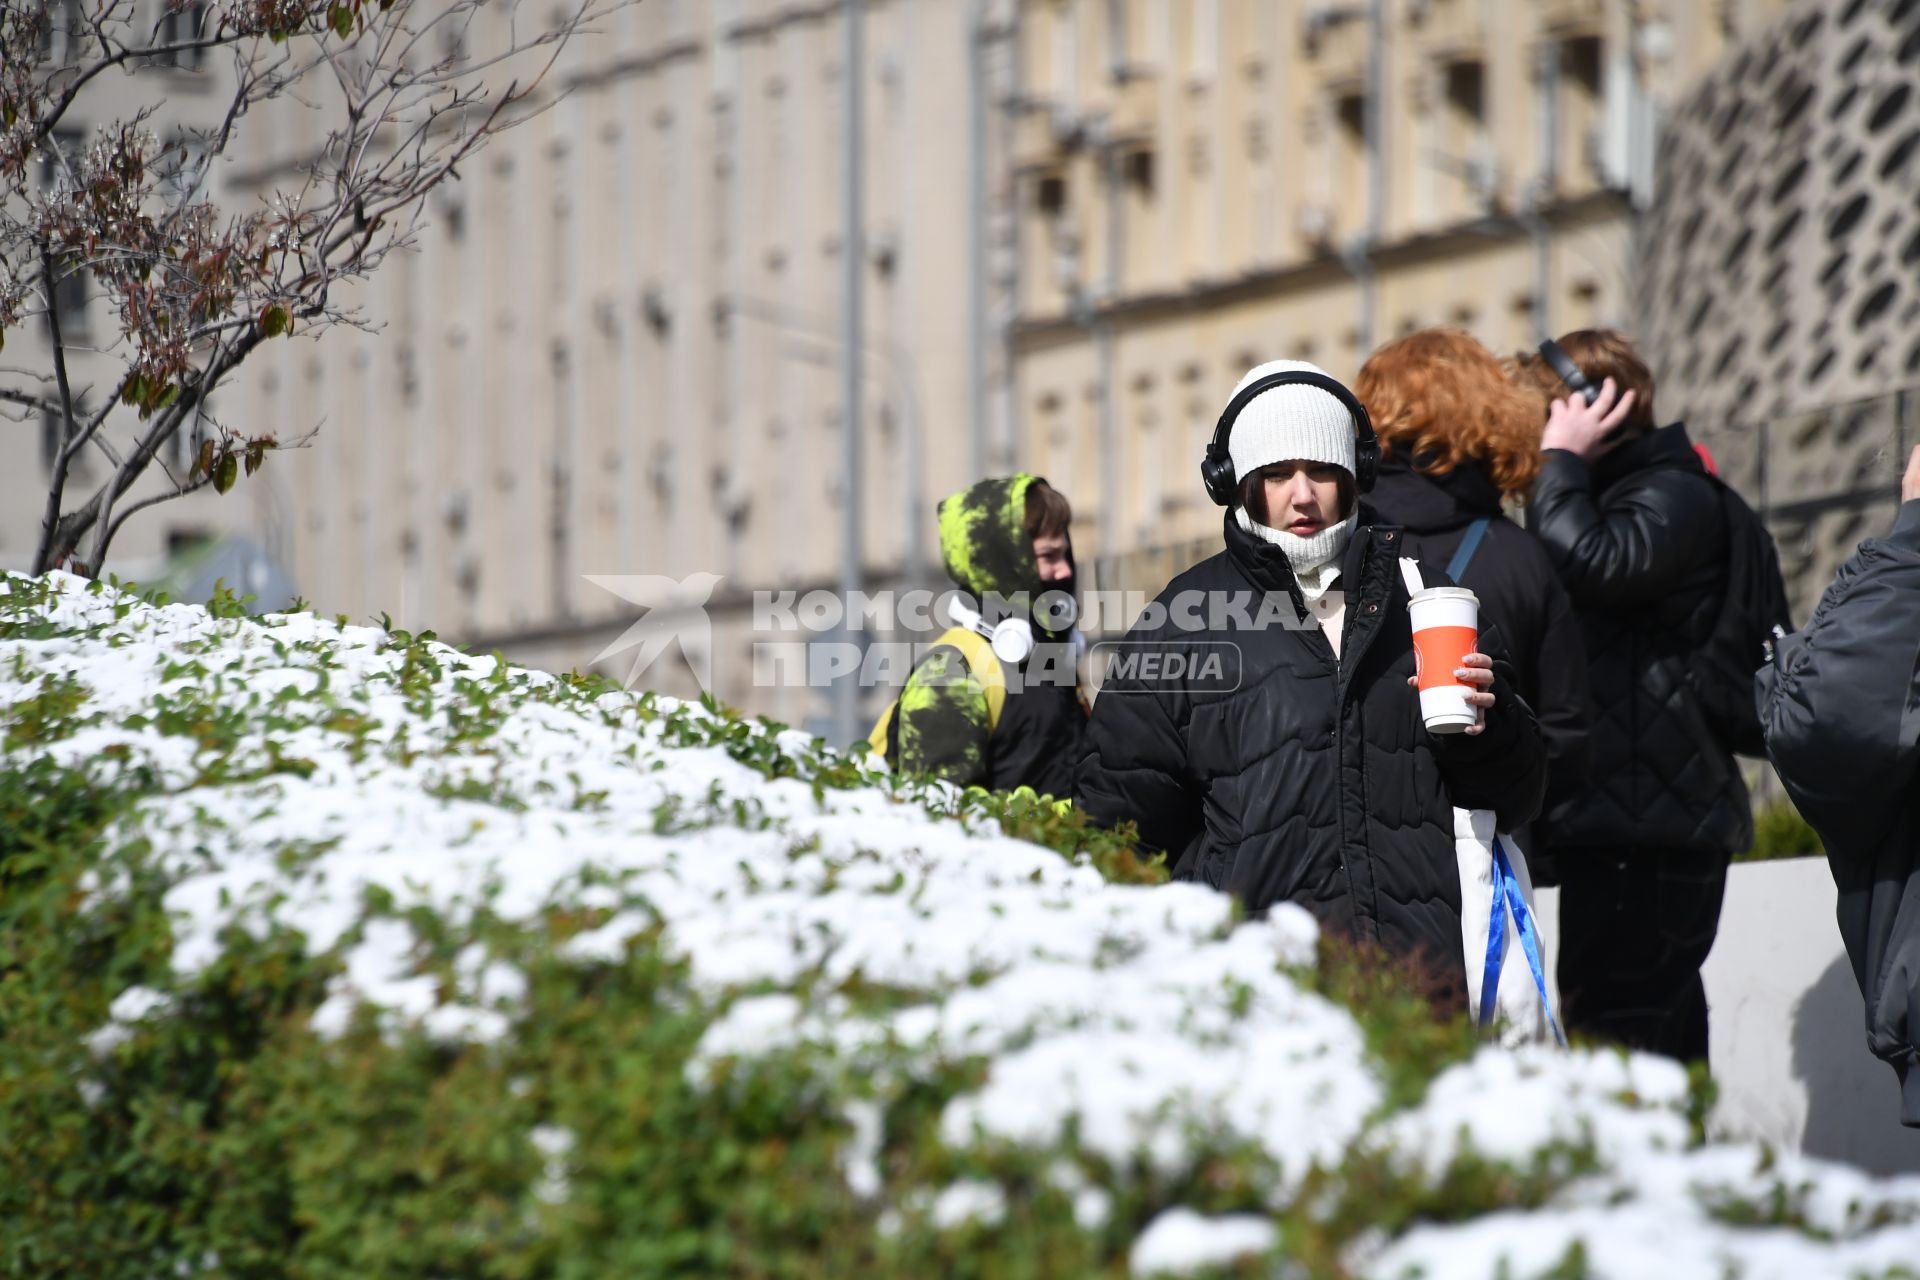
{"x": 56, "y": 486}
{"x": 153, "y": 500}
{"x": 40, "y": 403}
{"x": 197, "y": 289}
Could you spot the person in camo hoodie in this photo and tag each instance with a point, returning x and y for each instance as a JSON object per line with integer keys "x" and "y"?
{"x": 1004, "y": 539}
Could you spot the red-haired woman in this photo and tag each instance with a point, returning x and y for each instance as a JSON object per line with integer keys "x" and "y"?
{"x": 1456, "y": 437}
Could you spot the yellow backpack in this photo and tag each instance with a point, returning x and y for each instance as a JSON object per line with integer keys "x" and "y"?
{"x": 977, "y": 650}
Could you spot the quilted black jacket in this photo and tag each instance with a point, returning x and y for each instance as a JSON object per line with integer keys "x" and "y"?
{"x": 1841, "y": 706}
{"x": 1640, "y": 543}
{"x": 1519, "y": 593}
{"x": 1299, "y": 778}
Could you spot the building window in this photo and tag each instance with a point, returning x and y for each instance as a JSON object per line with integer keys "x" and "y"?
{"x": 59, "y": 171}
{"x": 181, "y": 25}
{"x": 179, "y": 168}
{"x": 184, "y": 538}
{"x": 452, "y": 204}
{"x": 1350, "y": 161}
{"x": 1467, "y": 153}
{"x": 63, "y": 32}
{"x": 1467, "y": 100}
{"x": 1580, "y": 97}
{"x": 1050, "y": 195}
{"x": 60, "y": 162}
{"x": 1137, "y": 191}
{"x": 184, "y": 447}
{"x": 1136, "y": 170}
{"x": 50, "y": 436}
{"x": 53, "y": 435}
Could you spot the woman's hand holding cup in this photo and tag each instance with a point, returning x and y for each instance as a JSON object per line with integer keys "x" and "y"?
{"x": 1475, "y": 669}
{"x": 1450, "y": 672}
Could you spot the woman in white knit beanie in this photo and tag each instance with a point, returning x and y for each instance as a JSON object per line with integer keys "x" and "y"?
{"x": 1293, "y": 448}
{"x": 1284, "y": 761}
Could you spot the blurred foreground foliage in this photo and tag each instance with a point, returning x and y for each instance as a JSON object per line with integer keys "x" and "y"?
{"x": 230, "y": 1138}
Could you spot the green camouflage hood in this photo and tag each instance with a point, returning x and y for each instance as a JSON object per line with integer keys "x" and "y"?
{"x": 983, "y": 538}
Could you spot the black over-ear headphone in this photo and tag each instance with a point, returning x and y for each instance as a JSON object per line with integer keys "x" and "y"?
{"x": 1577, "y": 382}
{"x": 1216, "y": 469}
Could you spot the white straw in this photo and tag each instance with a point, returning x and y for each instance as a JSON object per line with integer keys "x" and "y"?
{"x": 1411, "y": 572}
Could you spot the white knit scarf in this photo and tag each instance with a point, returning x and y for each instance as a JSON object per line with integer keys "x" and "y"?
{"x": 1315, "y": 558}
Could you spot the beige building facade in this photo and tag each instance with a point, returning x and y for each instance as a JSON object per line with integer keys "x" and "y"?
{"x": 1203, "y": 186}
{"x": 617, "y": 349}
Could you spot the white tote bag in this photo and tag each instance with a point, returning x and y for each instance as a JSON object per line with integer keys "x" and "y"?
{"x": 1499, "y": 936}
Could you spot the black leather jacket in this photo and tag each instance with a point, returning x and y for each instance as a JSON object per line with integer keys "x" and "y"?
{"x": 1639, "y": 541}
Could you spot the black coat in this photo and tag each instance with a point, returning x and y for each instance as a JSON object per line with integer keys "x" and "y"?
{"x": 1841, "y": 707}
{"x": 1640, "y": 542}
{"x": 1519, "y": 593}
{"x": 1038, "y": 742}
{"x": 1299, "y": 778}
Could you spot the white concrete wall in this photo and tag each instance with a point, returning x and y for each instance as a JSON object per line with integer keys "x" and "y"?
{"x": 1788, "y": 1033}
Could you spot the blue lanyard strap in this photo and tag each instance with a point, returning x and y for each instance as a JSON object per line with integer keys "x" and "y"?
{"x": 1469, "y": 543}
{"x": 1508, "y": 898}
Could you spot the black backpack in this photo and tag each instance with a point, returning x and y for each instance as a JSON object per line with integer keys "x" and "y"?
{"x": 1753, "y": 612}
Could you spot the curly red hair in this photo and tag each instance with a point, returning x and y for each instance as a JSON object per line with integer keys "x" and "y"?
{"x": 1443, "y": 398}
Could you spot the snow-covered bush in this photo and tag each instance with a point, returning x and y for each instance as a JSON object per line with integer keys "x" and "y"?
{"x": 330, "y": 949}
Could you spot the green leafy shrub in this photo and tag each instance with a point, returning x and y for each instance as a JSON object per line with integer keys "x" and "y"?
{"x": 231, "y": 1119}
{"x": 1780, "y": 832}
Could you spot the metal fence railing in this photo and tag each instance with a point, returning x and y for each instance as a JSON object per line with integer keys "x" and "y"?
{"x": 1822, "y": 479}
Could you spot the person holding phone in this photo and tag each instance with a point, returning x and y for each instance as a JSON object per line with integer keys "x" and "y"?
{"x": 1635, "y": 530}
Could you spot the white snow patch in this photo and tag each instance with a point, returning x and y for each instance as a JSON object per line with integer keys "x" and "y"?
{"x": 860, "y": 1160}
{"x": 555, "y": 1144}
{"x": 970, "y": 1201}
{"x": 1181, "y": 1241}
{"x": 1146, "y": 1021}
{"x": 1508, "y": 1104}
{"x": 134, "y": 1005}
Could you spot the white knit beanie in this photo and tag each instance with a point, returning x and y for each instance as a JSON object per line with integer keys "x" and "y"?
{"x": 1304, "y": 423}
{"x": 1290, "y": 422}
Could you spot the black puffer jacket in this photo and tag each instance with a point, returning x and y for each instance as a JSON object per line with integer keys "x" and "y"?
{"x": 1841, "y": 707}
{"x": 1640, "y": 543}
{"x": 1299, "y": 778}
{"x": 1519, "y": 593}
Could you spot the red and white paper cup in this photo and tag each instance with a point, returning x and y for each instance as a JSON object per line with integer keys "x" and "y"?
{"x": 1446, "y": 627}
